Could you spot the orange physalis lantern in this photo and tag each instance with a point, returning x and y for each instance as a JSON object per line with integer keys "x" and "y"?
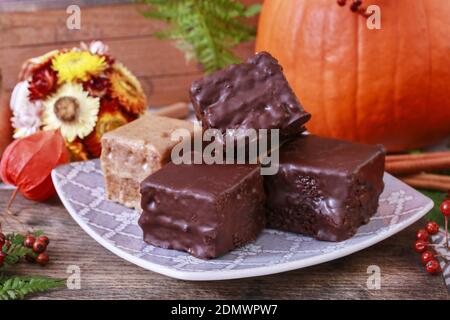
{"x": 27, "y": 163}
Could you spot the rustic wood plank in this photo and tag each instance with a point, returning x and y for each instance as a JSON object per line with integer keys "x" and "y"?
{"x": 106, "y": 276}
{"x": 159, "y": 64}
{"x": 34, "y": 5}
{"x": 166, "y": 90}
{"x": 20, "y": 29}
{"x": 49, "y": 26}
{"x": 101, "y": 22}
{"x": 146, "y": 56}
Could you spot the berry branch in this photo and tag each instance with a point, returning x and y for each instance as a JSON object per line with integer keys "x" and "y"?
{"x": 15, "y": 247}
{"x": 428, "y": 250}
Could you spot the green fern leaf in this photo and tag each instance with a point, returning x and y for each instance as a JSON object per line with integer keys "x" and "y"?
{"x": 204, "y": 29}
{"x": 15, "y": 253}
{"x": 17, "y": 287}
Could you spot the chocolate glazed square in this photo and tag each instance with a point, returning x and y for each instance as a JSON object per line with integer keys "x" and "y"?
{"x": 250, "y": 95}
{"x": 205, "y": 210}
{"x": 325, "y": 188}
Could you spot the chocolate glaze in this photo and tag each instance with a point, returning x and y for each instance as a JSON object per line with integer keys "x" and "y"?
{"x": 325, "y": 188}
{"x": 206, "y": 210}
{"x": 251, "y": 95}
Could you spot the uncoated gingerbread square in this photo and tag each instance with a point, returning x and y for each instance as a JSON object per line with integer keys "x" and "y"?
{"x": 134, "y": 151}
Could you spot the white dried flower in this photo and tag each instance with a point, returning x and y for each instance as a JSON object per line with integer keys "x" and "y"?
{"x": 27, "y": 115}
{"x": 95, "y": 47}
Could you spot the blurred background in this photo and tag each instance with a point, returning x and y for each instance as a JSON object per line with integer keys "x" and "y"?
{"x": 29, "y": 28}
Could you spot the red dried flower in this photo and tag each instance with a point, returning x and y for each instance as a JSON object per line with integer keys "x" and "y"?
{"x": 109, "y": 60}
{"x": 97, "y": 86}
{"x": 42, "y": 83}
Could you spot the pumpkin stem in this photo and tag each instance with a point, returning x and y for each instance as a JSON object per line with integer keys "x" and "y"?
{"x": 356, "y": 6}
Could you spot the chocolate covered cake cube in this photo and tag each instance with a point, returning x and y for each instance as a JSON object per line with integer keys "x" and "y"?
{"x": 205, "y": 210}
{"x": 251, "y": 95}
{"x": 132, "y": 152}
{"x": 325, "y": 188}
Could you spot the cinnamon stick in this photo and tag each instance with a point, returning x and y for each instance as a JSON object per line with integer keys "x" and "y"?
{"x": 178, "y": 110}
{"x": 428, "y": 181}
{"x": 417, "y": 156}
{"x": 414, "y": 164}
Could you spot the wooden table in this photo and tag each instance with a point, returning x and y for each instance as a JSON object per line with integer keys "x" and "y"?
{"x": 106, "y": 276}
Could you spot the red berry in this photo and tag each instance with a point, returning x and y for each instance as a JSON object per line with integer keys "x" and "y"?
{"x": 422, "y": 234}
{"x": 2, "y": 257}
{"x": 432, "y": 227}
{"x": 29, "y": 241}
{"x": 427, "y": 256}
{"x": 420, "y": 246}
{"x": 39, "y": 246}
{"x": 44, "y": 239}
{"x": 433, "y": 267}
{"x": 42, "y": 259}
{"x": 445, "y": 208}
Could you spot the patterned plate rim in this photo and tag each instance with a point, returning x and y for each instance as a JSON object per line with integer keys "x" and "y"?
{"x": 241, "y": 273}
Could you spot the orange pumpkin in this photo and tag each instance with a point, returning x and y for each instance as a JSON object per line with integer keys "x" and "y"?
{"x": 389, "y": 86}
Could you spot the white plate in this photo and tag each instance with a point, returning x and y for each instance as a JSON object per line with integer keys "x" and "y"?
{"x": 81, "y": 189}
